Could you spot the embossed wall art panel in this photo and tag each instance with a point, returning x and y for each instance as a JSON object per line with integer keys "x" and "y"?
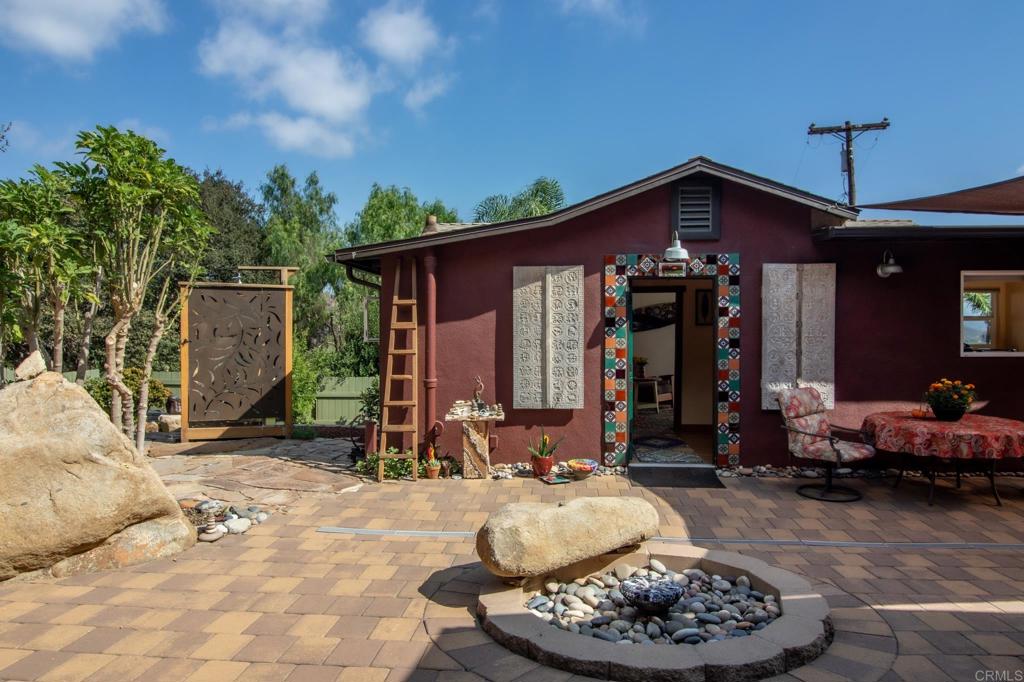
{"x": 547, "y": 364}
{"x": 528, "y": 337}
{"x": 798, "y": 329}
{"x": 564, "y": 357}
{"x": 236, "y": 351}
{"x": 780, "y": 316}
{"x": 818, "y": 330}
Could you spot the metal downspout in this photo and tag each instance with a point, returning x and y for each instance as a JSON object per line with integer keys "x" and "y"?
{"x": 430, "y": 364}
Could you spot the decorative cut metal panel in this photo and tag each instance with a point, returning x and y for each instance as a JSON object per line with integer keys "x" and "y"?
{"x": 547, "y": 332}
{"x": 780, "y": 323}
{"x": 724, "y": 269}
{"x": 798, "y": 330}
{"x": 236, "y": 354}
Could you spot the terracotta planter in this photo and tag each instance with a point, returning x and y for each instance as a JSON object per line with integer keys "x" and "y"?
{"x": 433, "y": 471}
{"x": 948, "y": 414}
{"x": 542, "y": 465}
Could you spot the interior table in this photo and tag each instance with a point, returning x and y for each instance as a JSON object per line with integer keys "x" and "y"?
{"x": 973, "y": 439}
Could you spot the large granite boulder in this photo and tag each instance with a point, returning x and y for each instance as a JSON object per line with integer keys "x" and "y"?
{"x": 74, "y": 493}
{"x": 534, "y": 538}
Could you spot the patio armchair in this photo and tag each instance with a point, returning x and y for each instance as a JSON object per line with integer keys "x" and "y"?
{"x": 812, "y": 437}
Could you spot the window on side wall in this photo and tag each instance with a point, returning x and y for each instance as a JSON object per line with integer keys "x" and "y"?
{"x": 991, "y": 313}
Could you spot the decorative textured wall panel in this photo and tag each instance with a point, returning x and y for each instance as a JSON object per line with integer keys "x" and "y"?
{"x": 798, "y": 329}
{"x": 236, "y": 352}
{"x": 547, "y": 333}
{"x": 724, "y": 270}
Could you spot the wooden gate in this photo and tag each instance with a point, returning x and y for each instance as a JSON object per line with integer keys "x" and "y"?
{"x": 236, "y": 360}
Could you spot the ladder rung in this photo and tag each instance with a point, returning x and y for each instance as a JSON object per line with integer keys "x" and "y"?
{"x": 399, "y": 403}
{"x": 401, "y": 351}
{"x": 397, "y": 455}
{"x": 403, "y": 301}
{"x": 391, "y": 428}
{"x": 404, "y": 325}
{"x": 402, "y": 377}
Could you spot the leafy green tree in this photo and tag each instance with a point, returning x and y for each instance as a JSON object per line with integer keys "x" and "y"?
{"x": 13, "y": 243}
{"x": 393, "y": 213}
{"x": 52, "y": 264}
{"x": 4, "y": 129}
{"x": 543, "y": 196}
{"x": 237, "y": 220}
{"x": 301, "y": 229}
{"x": 146, "y": 209}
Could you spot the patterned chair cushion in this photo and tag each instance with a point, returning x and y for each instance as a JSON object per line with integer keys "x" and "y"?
{"x": 800, "y": 402}
{"x": 848, "y": 452}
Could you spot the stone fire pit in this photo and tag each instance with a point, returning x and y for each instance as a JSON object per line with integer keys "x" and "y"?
{"x": 651, "y": 615}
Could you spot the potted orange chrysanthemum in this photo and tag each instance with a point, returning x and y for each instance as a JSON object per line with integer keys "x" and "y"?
{"x": 949, "y": 400}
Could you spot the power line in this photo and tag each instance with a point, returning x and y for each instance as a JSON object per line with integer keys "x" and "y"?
{"x": 847, "y": 133}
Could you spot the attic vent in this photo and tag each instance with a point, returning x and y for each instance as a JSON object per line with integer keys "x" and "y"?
{"x": 696, "y": 211}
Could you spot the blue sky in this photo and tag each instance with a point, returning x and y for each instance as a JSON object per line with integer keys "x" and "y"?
{"x": 459, "y": 100}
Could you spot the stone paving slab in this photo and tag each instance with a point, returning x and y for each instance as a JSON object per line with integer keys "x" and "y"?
{"x": 286, "y": 602}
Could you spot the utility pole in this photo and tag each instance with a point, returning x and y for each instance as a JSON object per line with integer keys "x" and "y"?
{"x": 848, "y": 132}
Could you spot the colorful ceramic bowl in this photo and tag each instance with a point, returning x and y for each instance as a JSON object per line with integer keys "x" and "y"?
{"x": 581, "y": 468}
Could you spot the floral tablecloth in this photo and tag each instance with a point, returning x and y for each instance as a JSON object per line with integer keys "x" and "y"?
{"x": 973, "y": 437}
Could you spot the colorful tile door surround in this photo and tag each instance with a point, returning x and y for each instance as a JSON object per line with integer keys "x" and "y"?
{"x": 618, "y": 269}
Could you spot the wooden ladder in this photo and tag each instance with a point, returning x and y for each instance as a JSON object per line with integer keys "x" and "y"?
{"x": 408, "y": 357}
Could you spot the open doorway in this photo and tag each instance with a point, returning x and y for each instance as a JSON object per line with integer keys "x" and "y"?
{"x": 672, "y": 326}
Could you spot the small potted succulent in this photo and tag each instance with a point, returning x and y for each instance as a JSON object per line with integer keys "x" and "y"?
{"x": 433, "y": 465}
{"x": 542, "y": 457}
{"x": 949, "y": 400}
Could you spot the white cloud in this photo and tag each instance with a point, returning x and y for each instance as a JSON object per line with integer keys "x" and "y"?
{"x": 1020, "y": 169}
{"x": 425, "y": 90}
{"x": 487, "y": 10}
{"x": 27, "y": 139}
{"x": 156, "y": 133}
{"x": 401, "y": 34}
{"x": 76, "y": 29}
{"x": 313, "y": 80}
{"x": 615, "y": 12}
{"x": 303, "y": 133}
{"x": 292, "y": 13}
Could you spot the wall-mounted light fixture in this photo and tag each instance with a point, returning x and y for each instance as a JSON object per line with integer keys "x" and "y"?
{"x": 675, "y": 259}
{"x": 888, "y": 266}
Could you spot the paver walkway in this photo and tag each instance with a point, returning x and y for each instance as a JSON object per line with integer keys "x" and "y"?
{"x": 286, "y": 602}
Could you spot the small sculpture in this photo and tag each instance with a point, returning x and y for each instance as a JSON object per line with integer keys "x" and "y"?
{"x": 651, "y": 596}
{"x": 478, "y": 402}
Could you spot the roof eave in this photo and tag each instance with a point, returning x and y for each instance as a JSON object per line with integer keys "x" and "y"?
{"x": 696, "y": 165}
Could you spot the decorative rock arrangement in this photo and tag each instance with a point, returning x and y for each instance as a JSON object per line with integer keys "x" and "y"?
{"x": 524, "y": 470}
{"x": 215, "y": 518}
{"x": 655, "y": 605}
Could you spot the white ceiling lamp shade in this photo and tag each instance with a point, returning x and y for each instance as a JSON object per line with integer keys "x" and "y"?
{"x": 676, "y": 252}
{"x": 888, "y": 266}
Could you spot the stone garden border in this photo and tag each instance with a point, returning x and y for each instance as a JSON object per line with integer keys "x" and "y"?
{"x": 799, "y": 635}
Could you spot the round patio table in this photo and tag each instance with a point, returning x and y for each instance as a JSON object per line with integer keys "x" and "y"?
{"x": 974, "y": 438}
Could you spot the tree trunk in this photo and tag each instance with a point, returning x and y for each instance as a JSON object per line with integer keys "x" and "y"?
{"x": 120, "y": 395}
{"x": 127, "y": 402}
{"x": 82, "y": 366}
{"x": 59, "y": 306}
{"x": 147, "y": 369}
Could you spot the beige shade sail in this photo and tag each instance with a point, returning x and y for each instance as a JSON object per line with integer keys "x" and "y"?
{"x": 998, "y": 198}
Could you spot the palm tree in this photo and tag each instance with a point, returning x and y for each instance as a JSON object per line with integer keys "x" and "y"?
{"x": 543, "y": 196}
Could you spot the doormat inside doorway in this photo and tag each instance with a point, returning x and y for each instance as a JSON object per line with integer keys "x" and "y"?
{"x": 675, "y": 477}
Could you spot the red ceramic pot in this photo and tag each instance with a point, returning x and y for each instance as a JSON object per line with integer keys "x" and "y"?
{"x": 542, "y": 465}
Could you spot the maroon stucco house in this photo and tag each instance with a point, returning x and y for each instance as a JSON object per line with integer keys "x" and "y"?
{"x": 832, "y": 322}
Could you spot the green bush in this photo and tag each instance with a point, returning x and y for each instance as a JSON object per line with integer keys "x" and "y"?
{"x": 303, "y": 432}
{"x": 305, "y": 383}
{"x": 99, "y": 389}
{"x": 393, "y": 468}
{"x": 370, "y": 402}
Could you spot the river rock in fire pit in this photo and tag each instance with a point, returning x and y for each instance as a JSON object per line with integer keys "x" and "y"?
{"x": 532, "y": 538}
{"x": 651, "y": 596}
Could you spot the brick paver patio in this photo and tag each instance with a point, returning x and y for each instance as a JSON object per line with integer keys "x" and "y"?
{"x": 286, "y": 602}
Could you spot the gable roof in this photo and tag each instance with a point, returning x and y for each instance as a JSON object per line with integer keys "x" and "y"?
{"x": 362, "y": 256}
